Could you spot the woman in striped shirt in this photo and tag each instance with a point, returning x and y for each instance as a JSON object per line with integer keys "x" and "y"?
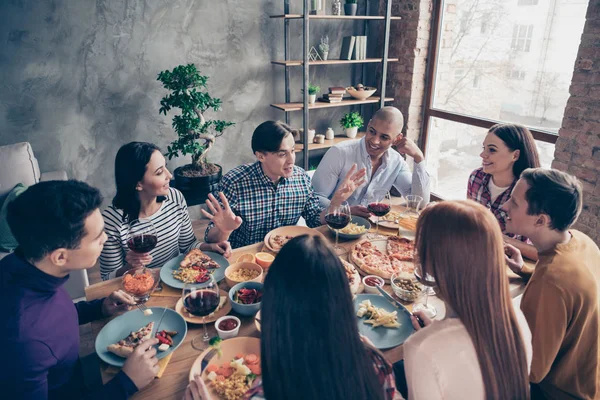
{"x": 143, "y": 192}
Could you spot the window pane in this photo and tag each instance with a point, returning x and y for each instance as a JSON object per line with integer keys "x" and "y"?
{"x": 539, "y": 44}
{"x": 453, "y": 153}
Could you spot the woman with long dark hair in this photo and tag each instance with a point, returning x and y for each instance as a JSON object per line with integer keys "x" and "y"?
{"x": 143, "y": 192}
{"x": 310, "y": 345}
{"x": 508, "y": 150}
{"x": 482, "y": 349}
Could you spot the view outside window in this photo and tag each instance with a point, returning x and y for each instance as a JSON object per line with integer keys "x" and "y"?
{"x": 503, "y": 60}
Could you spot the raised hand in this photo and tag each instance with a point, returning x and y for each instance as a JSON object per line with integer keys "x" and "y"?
{"x": 351, "y": 182}
{"x": 407, "y": 146}
{"x": 513, "y": 258}
{"x": 223, "y": 217}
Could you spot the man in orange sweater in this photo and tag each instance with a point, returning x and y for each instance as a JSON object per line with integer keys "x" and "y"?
{"x": 560, "y": 301}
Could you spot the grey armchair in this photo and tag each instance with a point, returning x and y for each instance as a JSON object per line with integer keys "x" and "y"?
{"x": 19, "y": 165}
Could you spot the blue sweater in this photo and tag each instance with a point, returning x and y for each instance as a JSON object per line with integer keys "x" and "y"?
{"x": 40, "y": 357}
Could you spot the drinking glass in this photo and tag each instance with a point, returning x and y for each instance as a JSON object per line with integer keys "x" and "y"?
{"x": 409, "y": 217}
{"x": 201, "y": 300}
{"x": 428, "y": 281}
{"x": 379, "y": 203}
{"x": 142, "y": 236}
{"x": 338, "y": 217}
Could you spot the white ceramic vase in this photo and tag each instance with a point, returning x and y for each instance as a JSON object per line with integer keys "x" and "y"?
{"x": 351, "y": 132}
{"x": 312, "y": 98}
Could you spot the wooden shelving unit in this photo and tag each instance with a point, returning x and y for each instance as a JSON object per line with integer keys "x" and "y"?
{"x": 288, "y": 107}
{"x": 298, "y": 63}
{"x": 327, "y": 144}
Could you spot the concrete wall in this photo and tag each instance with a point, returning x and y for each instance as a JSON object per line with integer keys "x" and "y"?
{"x": 79, "y": 76}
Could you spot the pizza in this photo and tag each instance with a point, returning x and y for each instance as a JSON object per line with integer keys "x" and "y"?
{"x": 278, "y": 241}
{"x": 126, "y": 346}
{"x": 372, "y": 261}
{"x": 196, "y": 258}
{"x": 196, "y": 267}
{"x": 353, "y": 276}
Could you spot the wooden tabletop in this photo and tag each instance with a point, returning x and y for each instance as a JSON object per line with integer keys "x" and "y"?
{"x": 175, "y": 378}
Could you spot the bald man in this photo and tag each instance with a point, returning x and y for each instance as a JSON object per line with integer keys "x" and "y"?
{"x": 385, "y": 167}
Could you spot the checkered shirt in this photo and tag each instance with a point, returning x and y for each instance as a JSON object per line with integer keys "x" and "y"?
{"x": 264, "y": 206}
{"x": 478, "y": 190}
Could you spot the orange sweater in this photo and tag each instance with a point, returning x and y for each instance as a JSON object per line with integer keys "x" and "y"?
{"x": 561, "y": 306}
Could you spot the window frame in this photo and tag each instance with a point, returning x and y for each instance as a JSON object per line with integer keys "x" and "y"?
{"x": 429, "y": 111}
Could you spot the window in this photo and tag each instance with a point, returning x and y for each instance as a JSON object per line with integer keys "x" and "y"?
{"x": 527, "y": 2}
{"x": 502, "y": 73}
{"x": 521, "y": 39}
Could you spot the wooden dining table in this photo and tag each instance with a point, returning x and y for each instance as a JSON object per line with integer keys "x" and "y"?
{"x": 172, "y": 383}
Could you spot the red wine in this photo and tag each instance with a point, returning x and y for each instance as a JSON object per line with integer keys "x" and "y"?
{"x": 379, "y": 209}
{"x": 201, "y": 302}
{"x": 337, "y": 221}
{"x": 142, "y": 243}
{"x": 427, "y": 281}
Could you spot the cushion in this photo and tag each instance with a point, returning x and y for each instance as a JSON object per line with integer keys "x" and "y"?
{"x": 7, "y": 240}
{"x": 17, "y": 165}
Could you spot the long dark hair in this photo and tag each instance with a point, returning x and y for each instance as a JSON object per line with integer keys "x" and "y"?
{"x": 310, "y": 344}
{"x": 474, "y": 285}
{"x": 130, "y": 167}
{"x": 517, "y": 137}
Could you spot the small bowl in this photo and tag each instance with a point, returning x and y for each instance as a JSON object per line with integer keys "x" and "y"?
{"x": 372, "y": 289}
{"x": 408, "y": 295}
{"x": 352, "y": 236}
{"x": 246, "y": 310}
{"x": 242, "y": 265}
{"x": 228, "y": 334}
{"x": 361, "y": 94}
{"x": 141, "y": 296}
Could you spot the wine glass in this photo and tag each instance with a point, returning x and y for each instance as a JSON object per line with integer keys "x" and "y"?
{"x": 379, "y": 203}
{"x": 142, "y": 236}
{"x": 201, "y": 300}
{"x": 337, "y": 218}
{"x": 428, "y": 281}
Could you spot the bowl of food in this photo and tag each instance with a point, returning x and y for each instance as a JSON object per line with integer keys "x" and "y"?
{"x": 228, "y": 326}
{"x": 357, "y": 227}
{"x": 243, "y": 272}
{"x": 246, "y": 297}
{"x": 360, "y": 92}
{"x": 140, "y": 282}
{"x": 371, "y": 283}
{"x": 406, "y": 287}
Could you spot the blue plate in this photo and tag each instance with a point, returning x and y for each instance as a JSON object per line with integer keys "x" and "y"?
{"x": 351, "y": 236}
{"x": 384, "y": 338}
{"x": 166, "y": 272}
{"x": 124, "y": 324}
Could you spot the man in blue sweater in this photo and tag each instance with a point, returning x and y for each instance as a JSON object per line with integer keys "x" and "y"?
{"x": 59, "y": 229}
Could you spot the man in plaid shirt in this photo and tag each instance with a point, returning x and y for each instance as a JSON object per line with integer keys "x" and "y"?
{"x": 272, "y": 192}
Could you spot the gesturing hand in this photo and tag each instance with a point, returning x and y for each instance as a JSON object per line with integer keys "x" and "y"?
{"x": 118, "y": 301}
{"x": 223, "y": 217}
{"x": 350, "y": 183}
{"x": 513, "y": 258}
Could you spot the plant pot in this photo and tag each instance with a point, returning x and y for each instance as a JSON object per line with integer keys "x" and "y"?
{"x": 324, "y": 55}
{"x": 351, "y": 132}
{"x": 350, "y": 9}
{"x": 196, "y": 187}
{"x": 312, "y": 98}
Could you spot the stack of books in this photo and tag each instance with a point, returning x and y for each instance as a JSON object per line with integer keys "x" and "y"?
{"x": 354, "y": 48}
{"x": 335, "y": 94}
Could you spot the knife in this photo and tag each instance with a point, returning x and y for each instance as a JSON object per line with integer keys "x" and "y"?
{"x": 159, "y": 322}
{"x": 399, "y": 305}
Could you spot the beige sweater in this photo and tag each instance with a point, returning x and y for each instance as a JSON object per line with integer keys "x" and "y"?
{"x": 441, "y": 363}
{"x": 561, "y": 305}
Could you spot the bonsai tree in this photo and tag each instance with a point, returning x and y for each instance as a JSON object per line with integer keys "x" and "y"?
{"x": 352, "y": 120}
{"x": 313, "y": 89}
{"x": 195, "y": 134}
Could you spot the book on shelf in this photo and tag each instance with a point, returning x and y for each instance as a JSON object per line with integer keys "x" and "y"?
{"x": 333, "y": 96}
{"x": 327, "y": 100}
{"x": 347, "y": 47}
{"x": 360, "y": 48}
{"x": 337, "y": 90}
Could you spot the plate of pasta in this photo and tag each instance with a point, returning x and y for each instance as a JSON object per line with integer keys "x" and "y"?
{"x": 193, "y": 267}
{"x": 357, "y": 227}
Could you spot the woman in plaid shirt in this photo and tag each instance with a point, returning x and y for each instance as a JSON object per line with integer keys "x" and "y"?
{"x": 508, "y": 150}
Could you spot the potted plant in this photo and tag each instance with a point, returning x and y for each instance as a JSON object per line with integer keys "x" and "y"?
{"x": 312, "y": 93}
{"x": 195, "y": 134}
{"x": 351, "y": 122}
{"x": 350, "y": 7}
{"x": 324, "y": 47}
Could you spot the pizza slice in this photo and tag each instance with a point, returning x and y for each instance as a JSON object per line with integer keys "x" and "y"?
{"x": 353, "y": 276}
{"x": 278, "y": 241}
{"x": 370, "y": 260}
{"x": 403, "y": 249}
{"x": 125, "y": 347}
{"x": 400, "y": 265}
{"x": 196, "y": 259}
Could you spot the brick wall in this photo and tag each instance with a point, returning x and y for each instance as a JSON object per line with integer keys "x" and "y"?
{"x": 578, "y": 146}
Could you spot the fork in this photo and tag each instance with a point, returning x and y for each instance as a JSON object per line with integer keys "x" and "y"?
{"x": 142, "y": 307}
{"x": 206, "y": 359}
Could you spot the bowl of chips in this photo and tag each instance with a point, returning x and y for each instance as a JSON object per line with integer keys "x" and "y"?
{"x": 357, "y": 227}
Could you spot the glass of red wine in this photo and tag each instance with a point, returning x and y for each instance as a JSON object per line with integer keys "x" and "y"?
{"x": 200, "y": 300}
{"x": 337, "y": 218}
{"x": 379, "y": 203}
{"x": 142, "y": 237}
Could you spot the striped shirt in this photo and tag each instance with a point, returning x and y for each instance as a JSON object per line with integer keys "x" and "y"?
{"x": 173, "y": 228}
{"x": 264, "y": 206}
